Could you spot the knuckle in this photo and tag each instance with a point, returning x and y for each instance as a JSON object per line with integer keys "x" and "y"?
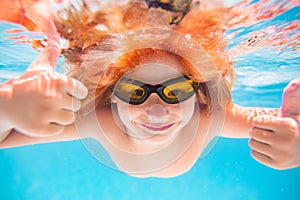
{"x": 71, "y": 118}
{"x": 76, "y": 105}
{"x": 252, "y": 143}
{"x": 68, "y": 118}
{"x": 49, "y": 131}
{"x": 253, "y": 153}
{"x": 252, "y": 132}
{"x": 61, "y": 82}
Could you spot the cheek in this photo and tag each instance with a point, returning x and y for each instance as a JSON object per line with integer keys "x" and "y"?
{"x": 128, "y": 112}
{"x": 187, "y": 109}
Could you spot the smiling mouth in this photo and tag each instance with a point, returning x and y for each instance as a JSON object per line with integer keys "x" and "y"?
{"x": 161, "y": 128}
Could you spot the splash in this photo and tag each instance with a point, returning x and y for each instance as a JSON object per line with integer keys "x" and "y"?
{"x": 256, "y": 25}
{"x": 251, "y": 26}
{"x": 19, "y": 36}
{"x": 35, "y": 15}
{"x": 264, "y": 42}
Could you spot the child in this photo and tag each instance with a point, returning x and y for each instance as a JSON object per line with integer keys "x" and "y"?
{"x": 151, "y": 124}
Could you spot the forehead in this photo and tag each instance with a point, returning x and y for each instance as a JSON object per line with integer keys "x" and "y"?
{"x": 157, "y": 69}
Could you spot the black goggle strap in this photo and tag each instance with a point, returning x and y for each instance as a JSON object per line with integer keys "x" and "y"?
{"x": 179, "y": 8}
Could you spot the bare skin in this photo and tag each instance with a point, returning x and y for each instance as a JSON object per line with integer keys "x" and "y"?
{"x": 274, "y": 133}
{"x": 275, "y": 140}
{"x": 282, "y": 143}
{"x": 42, "y": 102}
{"x": 40, "y": 81}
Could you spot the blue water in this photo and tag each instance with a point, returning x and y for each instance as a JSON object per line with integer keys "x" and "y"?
{"x": 67, "y": 171}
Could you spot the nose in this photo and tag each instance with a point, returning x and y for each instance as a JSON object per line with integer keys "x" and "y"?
{"x": 157, "y": 113}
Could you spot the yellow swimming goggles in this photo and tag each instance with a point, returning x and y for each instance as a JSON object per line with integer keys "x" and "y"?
{"x": 172, "y": 91}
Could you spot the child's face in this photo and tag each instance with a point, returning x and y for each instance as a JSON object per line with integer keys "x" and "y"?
{"x": 156, "y": 122}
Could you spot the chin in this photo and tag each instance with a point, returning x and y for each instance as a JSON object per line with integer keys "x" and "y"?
{"x": 160, "y": 137}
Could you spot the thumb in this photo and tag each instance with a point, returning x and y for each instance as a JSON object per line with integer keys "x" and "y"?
{"x": 41, "y": 13}
{"x": 291, "y": 99}
{"x": 46, "y": 60}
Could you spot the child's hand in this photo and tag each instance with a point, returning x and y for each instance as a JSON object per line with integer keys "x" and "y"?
{"x": 41, "y": 102}
{"x": 275, "y": 141}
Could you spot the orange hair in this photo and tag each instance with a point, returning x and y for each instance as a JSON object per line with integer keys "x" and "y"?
{"x": 115, "y": 71}
{"x": 85, "y": 30}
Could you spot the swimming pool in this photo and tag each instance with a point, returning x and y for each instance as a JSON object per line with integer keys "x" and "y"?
{"x": 68, "y": 171}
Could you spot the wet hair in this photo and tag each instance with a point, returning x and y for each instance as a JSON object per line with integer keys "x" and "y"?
{"x": 86, "y": 30}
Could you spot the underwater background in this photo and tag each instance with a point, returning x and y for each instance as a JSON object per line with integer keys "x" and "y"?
{"x": 65, "y": 170}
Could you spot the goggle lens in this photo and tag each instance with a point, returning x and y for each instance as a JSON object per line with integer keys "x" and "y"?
{"x": 172, "y": 92}
{"x": 130, "y": 92}
{"x": 179, "y": 91}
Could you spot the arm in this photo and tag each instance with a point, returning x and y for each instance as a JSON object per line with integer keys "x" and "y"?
{"x": 239, "y": 120}
{"x": 5, "y": 126}
{"x": 274, "y": 133}
{"x": 15, "y": 139}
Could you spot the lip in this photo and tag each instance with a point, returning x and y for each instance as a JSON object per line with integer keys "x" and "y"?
{"x": 159, "y": 128}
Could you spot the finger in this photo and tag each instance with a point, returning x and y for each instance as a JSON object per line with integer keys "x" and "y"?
{"x": 51, "y": 129}
{"x": 47, "y": 59}
{"x": 76, "y": 89}
{"x": 265, "y": 122}
{"x": 261, "y": 135}
{"x": 278, "y": 125}
{"x": 266, "y": 160}
{"x": 70, "y": 103}
{"x": 262, "y": 148}
{"x": 54, "y": 129}
{"x": 62, "y": 117}
{"x": 290, "y": 99}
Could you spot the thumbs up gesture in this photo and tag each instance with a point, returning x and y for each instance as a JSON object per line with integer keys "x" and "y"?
{"x": 40, "y": 102}
{"x": 275, "y": 141}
